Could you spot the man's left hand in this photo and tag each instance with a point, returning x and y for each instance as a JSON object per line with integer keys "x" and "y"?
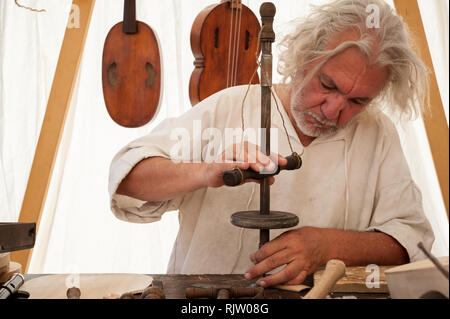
{"x": 301, "y": 250}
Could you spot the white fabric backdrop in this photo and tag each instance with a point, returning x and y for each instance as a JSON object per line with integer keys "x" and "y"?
{"x": 78, "y": 233}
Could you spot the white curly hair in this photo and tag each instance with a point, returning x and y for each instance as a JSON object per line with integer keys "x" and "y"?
{"x": 405, "y": 93}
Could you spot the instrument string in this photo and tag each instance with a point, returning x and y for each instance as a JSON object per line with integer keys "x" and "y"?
{"x": 229, "y": 46}
{"x": 237, "y": 46}
{"x": 235, "y": 12}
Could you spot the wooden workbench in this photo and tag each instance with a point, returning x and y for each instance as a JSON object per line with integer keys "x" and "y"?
{"x": 175, "y": 286}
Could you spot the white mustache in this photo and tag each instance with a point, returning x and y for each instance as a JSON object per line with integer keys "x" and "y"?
{"x": 318, "y": 119}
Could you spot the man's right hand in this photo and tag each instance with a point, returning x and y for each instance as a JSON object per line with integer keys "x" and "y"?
{"x": 244, "y": 156}
{"x": 159, "y": 179}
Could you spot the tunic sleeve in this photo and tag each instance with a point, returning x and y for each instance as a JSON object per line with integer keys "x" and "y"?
{"x": 181, "y": 139}
{"x": 128, "y": 208}
{"x": 398, "y": 209}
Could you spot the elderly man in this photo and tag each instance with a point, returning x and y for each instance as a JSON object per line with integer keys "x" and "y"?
{"x": 354, "y": 195}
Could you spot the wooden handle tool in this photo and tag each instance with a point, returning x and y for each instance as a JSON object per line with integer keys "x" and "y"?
{"x": 237, "y": 176}
{"x": 334, "y": 270}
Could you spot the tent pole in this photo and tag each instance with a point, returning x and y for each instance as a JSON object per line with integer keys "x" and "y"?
{"x": 54, "y": 120}
{"x": 435, "y": 120}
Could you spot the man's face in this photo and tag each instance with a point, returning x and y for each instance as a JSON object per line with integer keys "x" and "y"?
{"x": 338, "y": 92}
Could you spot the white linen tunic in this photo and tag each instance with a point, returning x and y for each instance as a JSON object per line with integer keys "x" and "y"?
{"x": 355, "y": 179}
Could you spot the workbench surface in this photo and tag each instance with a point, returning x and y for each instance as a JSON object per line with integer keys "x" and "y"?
{"x": 175, "y": 286}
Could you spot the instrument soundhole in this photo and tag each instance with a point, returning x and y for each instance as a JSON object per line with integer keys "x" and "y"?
{"x": 151, "y": 75}
{"x": 216, "y": 38}
{"x": 112, "y": 74}
{"x": 247, "y": 40}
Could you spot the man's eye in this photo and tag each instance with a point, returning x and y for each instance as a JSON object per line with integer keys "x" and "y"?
{"x": 328, "y": 87}
{"x": 358, "y": 102}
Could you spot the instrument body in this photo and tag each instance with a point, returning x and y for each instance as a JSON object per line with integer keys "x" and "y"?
{"x": 224, "y": 40}
{"x": 131, "y": 71}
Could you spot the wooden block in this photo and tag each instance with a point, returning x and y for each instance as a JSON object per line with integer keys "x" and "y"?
{"x": 12, "y": 269}
{"x": 356, "y": 279}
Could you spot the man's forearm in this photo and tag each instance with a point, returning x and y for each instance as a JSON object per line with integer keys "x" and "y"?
{"x": 362, "y": 248}
{"x": 305, "y": 249}
{"x": 158, "y": 179}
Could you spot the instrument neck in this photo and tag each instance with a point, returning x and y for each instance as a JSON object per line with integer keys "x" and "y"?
{"x": 234, "y": 4}
{"x": 129, "y": 17}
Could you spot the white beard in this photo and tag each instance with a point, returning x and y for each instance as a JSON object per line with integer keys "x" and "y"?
{"x": 312, "y": 130}
{"x": 316, "y": 130}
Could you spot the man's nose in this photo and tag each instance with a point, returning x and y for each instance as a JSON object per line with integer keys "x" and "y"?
{"x": 333, "y": 106}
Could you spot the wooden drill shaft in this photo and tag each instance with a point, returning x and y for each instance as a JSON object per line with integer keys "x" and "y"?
{"x": 267, "y": 12}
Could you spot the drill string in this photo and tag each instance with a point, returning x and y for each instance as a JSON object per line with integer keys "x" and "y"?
{"x": 258, "y": 65}
{"x": 273, "y": 95}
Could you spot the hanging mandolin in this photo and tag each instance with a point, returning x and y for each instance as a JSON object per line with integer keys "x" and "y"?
{"x": 131, "y": 71}
{"x": 224, "y": 39}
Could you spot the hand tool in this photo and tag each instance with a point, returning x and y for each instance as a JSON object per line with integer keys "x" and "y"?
{"x": 334, "y": 270}
{"x": 11, "y": 286}
{"x": 264, "y": 219}
{"x": 237, "y": 176}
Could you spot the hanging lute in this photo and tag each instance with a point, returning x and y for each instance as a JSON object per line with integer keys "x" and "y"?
{"x": 131, "y": 71}
{"x": 224, "y": 39}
